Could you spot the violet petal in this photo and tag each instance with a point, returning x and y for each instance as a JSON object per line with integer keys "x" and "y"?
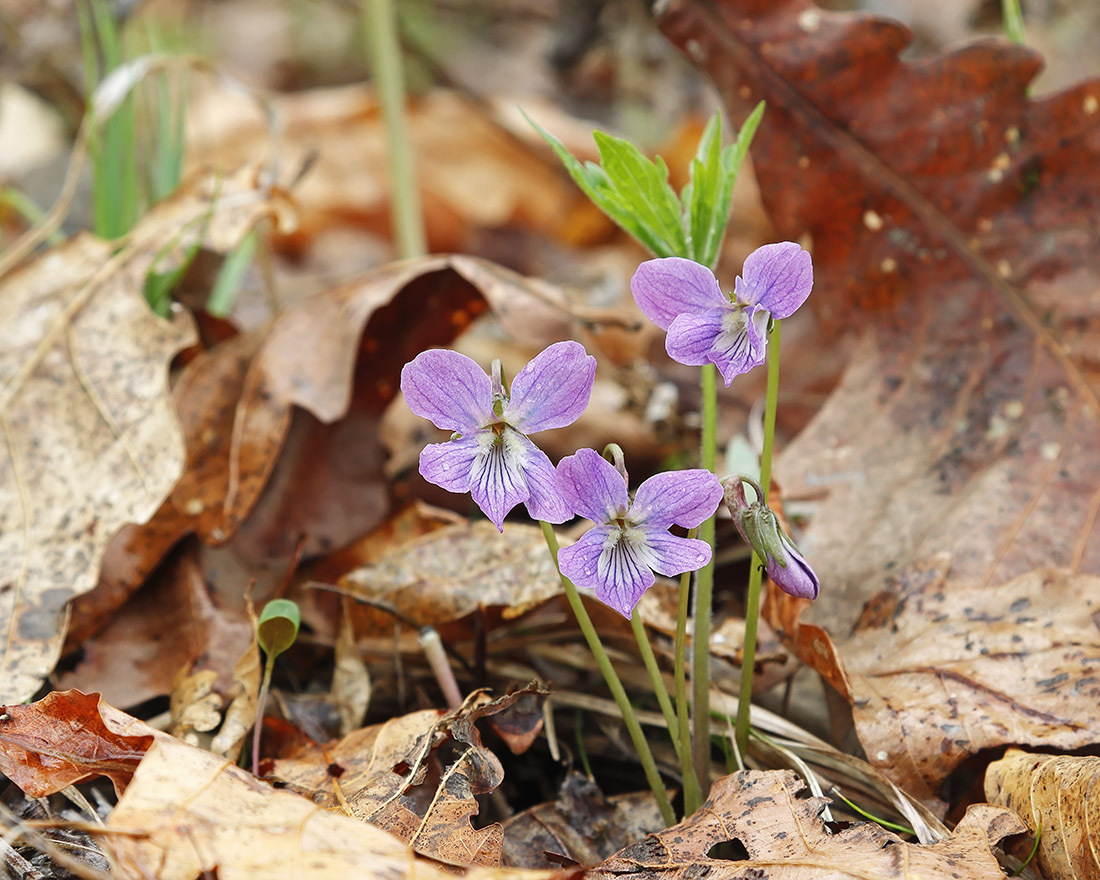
{"x": 552, "y": 390}
{"x": 797, "y": 579}
{"x": 580, "y": 561}
{"x": 673, "y": 286}
{"x": 691, "y": 337}
{"x": 545, "y": 502}
{"x": 591, "y": 487}
{"x": 497, "y": 481}
{"x": 448, "y": 464}
{"x": 449, "y": 389}
{"x": 623, "y": 575}
{"x": 777, "y": 276}
{"x": 670, "y": 555}
{"x": 737, "y": 353}
{"x": 685, "y": 498}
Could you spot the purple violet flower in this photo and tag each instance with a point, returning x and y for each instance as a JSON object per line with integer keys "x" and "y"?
{"x": 617, "y": 556}
{"x": 704, "y": 325}
{"x": 489, "y": 455}
{"x": 760, "y": 528}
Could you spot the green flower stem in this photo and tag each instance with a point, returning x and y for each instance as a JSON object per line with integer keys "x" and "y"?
{"x": 380, "y": 23}
{"x": 659, "y": 689}
{"x": 693, "y": 798}
{"x": 752, "y": 600}
{"x": 613, "y": 683}
{"x": 704, "y": 589}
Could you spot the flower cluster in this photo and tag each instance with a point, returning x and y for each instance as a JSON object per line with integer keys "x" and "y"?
{"x": 490, "y": 455}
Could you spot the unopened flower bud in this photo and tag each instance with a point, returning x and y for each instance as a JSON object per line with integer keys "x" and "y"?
{"x": 760, "y": 528}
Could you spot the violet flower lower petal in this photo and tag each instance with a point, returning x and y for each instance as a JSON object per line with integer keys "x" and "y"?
{"x": 448, "y": 464}
{"x": 580, "y": 561}
{"x": 670, "y": 555}
{"x": 497, "y": 482}
{"x": 691, "y": 337}
{"x": 685, "y": 498}
{"x": 623, "y": 575}
{"x": 674, "y": 286}
{"x": 449, "y": 389}
{"x": 545, "y": 501}
{"x": 777, "y": 276}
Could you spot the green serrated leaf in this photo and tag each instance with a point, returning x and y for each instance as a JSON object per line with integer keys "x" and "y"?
{"x": 278, "y": 626}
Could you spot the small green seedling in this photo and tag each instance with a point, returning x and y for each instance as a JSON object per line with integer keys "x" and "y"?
{"x": 1030, "y": 855}
{"x": 276, "y": 631}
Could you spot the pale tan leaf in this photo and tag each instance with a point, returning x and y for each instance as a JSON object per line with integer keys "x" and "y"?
{"x": 1060, "y": 792}
{"x": 89, "y": 436}
{"x": 187, "y": 812}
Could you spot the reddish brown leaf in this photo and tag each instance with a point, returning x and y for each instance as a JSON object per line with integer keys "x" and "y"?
{"x": 61, "y": 740}
{"x": 954, "y": 219}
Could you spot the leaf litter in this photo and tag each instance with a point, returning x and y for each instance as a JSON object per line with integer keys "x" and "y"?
{"x": 949, "y": 481}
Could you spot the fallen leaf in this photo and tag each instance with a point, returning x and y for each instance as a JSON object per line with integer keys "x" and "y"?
{"x": 581, "y": 826}
{"x": 187, "y": 812}
{"x": 965, "y": 435}
{"x": 1059, "y": 794}
{"x": 452, "y": 572}
{"x": 91, "y": 441}
{"x": 772, "y": 816}
{"x": 390, "y": 775}
{"x": 62, "y": 740}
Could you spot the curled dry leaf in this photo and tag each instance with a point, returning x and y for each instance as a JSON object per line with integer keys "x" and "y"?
{"x": 963, "y": 443}
{"x": 1058, "y": 792}
{"x": 772, "y": 816}
{"x": 63, "y": 739}
{"x": 90, "y": 438}
{"x": 187, "y": 812}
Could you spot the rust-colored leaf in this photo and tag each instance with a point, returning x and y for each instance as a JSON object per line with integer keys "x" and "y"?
{"x": 780, "y": 828}
{"x": 61, "y": 740}
{"x": 953, "y": 219}
{"x": 1058, "y": 793}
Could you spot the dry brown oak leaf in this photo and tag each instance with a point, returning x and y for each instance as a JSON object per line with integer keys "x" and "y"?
{"x": 90, "y": 438}
{"x": 1060, "y": 793}
{"x": 772, "y": 816}
{"x": 953, "y": 221}
{"x": 64, "y": 739}
{"x": 187, "y": 812}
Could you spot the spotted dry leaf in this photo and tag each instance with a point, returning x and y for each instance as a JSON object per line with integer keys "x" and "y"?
{"x": 1060, "y": 794}
{"x": 779, "y": 825}
{"x": 90, "y": 438}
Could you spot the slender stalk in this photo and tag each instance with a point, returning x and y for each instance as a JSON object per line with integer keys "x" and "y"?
{"x": 380, "y": 21}
{"x": 704, "y": 589}
{"x": 1013, "y": 21}
{"x": 261, "y": 705}
{"x": 693, "y": 798}
{"x": 649, "y": 766}
{"x": 659, "y": 689}
{"x": 752, "y": 600}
